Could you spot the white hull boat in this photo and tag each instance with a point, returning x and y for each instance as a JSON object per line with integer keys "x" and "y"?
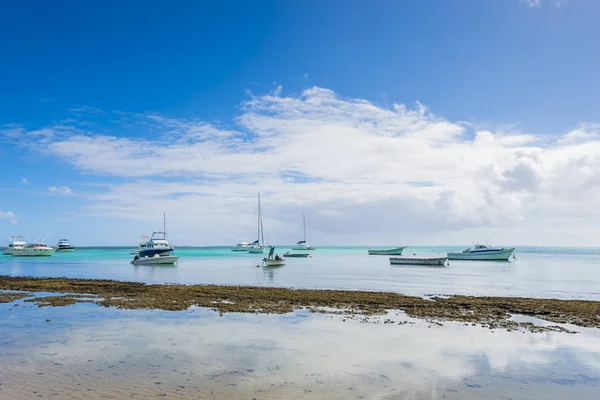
{"x": 256, "y": 250}
{"x": 141, "y": 246}
{"x": 271, "y": 262}
{"x": 156, "y": 260}
{"x": 484, "y": 253}
{"x": 437, "y": 261}
{"x": 241, "y": 246}
{"x": 14, "y": 244}
{"x": 34, "y": 250}
{"x": 387, "y": 252}
{"x": 64, "y": 246}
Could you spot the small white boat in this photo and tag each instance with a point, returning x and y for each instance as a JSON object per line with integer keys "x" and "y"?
{"x": 438, "y": 261}
{"x": 34, "y": 250}
{"x": 302, "y": 245}
{"x": 155, "y": 260}
{"x": 484, "y": 252}
{"x": 258, "y": 246}
{"x": 397, "y": 251}
{"x": 273, "y": 260}
{"x": 141, "y": 246}
{"x": 64, "y": 246}
{"x": 296, "y": 254}
{"x": 16, "y": 243}
{"x": 241, "y": 246}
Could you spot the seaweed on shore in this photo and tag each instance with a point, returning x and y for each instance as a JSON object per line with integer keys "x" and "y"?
{"x": 493, "y": 312}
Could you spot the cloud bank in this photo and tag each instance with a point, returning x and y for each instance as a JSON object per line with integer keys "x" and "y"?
{"x": 363, "y": 173}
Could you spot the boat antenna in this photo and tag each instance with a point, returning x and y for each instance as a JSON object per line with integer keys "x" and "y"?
{"x": 44, "y": 239}
{"x": 165, "y": 224}
{"x": 262, "y": 232}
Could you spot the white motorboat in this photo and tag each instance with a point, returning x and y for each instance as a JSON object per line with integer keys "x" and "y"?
{"x": 273, "y": 260}
{"x": 437, "y": 261}
{"x": 141, "y": 246}
{"x": 15, "y": 243}
{"x": 34, "y": 250}
{"x": 258, "y": 246}
{"x": 64, "y": 246}
{"x": 397, "y": 251}
{"x": 158, "y": 243}
{"x": 155, "y": 260}
{"x": 485, "y": 253}
{"x": 241, "y": 246}
{"x": 302, "y": 245}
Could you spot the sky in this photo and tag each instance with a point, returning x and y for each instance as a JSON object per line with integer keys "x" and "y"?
{"x": 390, "y": 122}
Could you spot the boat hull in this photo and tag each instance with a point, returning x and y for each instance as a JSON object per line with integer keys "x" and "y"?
{"x": 156, "y": 260}
{"x": 256, "y": 250}
{"x": 7, "y": 252}
{"x": 33, "y": 252}
{"x": 296, "y": 255}
{"x": 303, "y": 248}
{"x": 239, "y": 249}
{"x": 273, "y": 263}
{"x": 65, "y": 249}
{"x": 389, "y": 252}
{"x": 495, "y": 255}
{"x": 436, "y": 261}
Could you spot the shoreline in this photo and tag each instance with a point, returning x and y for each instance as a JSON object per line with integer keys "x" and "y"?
{"x": 492, "y": 312}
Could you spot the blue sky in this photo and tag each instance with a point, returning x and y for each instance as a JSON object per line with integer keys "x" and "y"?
{"x": 87, "y": 88}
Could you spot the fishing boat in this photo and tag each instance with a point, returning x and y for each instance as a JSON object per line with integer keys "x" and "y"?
{"x": 141, "y": 246}
{"x": 155, "y": 260}
{"x": 64, "y": 246}
{"x": 240, "y": 246}
{"x": 484, "y": 252}
{"x": 273, "y": 260}
{"x": 15, "y": 243}
{"x": 158, "y": 243}
{"x": 293, "y": 254}
{"x": 35, "y": 249}
{"x": 397, "y": 251}
{"x": 258, "y": 246}
{"x": 302, "y": 245}
{"x": 437, "y": 261}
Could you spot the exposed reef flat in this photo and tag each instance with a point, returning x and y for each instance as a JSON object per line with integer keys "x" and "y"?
{"x": 493, "y": 312}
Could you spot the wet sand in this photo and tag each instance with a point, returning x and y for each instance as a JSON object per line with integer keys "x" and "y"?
{"x": 492, "y": 312}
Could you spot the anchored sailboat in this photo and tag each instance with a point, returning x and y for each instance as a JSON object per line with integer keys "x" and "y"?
{"x": 259, "y": 245}
{"x": 302, "y": 245}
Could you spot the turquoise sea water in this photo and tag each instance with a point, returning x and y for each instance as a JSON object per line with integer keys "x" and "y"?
{"x": 549, "y": 272}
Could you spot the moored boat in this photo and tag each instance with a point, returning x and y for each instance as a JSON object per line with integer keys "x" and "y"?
{"x": 293, "y": 254}
{"x": 34, "y": 250}
{"x": 484, "y": 252}
{"x": 397, "y": 251}
{"x": 437, "y": 261}
{"x": 302, "y": 245}
{"x": 240, "y": 246}
{"x": 258, "y": 246}
{"x": 141, "y": 246}
{"x": 64, "y": 246}
{"x": 15, "y": 243}
{"x": 273, "y": 260}
{"x": 155, "y": 260}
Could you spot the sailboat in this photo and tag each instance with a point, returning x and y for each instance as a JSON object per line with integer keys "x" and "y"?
{"x": 258, "y": 246}
{"x": 302, "y": 245}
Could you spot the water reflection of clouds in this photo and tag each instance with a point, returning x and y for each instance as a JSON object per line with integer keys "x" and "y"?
{"x": 322, "y": 349}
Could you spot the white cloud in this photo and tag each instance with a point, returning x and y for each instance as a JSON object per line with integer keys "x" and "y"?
{"x": 64, "y": 190}
{"x": 25, "y": 181}
{"x": 533, "y": 3}
{"x": 9, "y": 215}
{"x": 363, "y": 173}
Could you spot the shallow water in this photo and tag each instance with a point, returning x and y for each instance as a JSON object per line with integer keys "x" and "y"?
{"x": 551, "y": 272}
{"x": 86, "y": 351}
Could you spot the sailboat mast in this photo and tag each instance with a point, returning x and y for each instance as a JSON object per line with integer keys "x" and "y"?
{"x": 262, "y": 232}
{"x": 165, "y": 224}
{"x": 258, "y": 221}
{"x": 304, "y": 223}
